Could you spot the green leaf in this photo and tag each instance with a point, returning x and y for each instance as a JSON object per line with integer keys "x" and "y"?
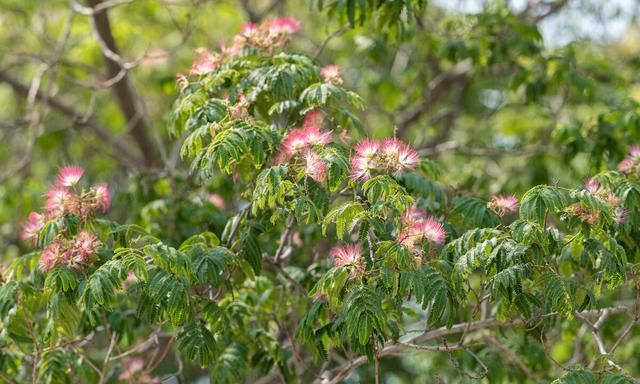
{"x": 197, "y": 343}
{"x": 576, "y": 377}
{"x": 541, "y": 200}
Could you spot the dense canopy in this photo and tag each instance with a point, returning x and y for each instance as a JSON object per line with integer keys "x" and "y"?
{"x": 356, "y": 191}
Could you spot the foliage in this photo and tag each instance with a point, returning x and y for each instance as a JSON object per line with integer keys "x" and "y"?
{"x": 294, "y": 243}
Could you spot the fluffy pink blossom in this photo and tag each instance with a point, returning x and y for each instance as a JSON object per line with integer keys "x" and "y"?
{"x": 293, "y": 144}
{"x": 315, "y": 168}
{"x": 413, "y": 215}
{"x": 313, "y": 120}
{"x": 84, "y": 246}
{"x": 249, "y": 30}
{"x": 621, "y": 215}
{"x": 331, "y": 74}
{"x": 240, "y": 109}
{"x": 589, "y": 216}
{"x": 632, "y": 161}
{"x": 399, "y": 156}
{"x": 50, "y": 256}
{"x": 69, "y": 176}
{"x": 298, "y": 140}
{"x": 503, "y": 205}
{"x": 347, "y": 255}
{"x": 103, "y": 197}
{"x": 388, "y": 156}
{"x": 363, "y": 160}
{"x": 207, "y": 62}
{"x": 626, "y": 165}
{"x": 31, "y": 229}
{"x": 592, "y": 185}
{"x": 432, "y": 231}
{"x": 282, "y": 25}
{"x": 427, "y": 229}
{"x": 61, "y": 201}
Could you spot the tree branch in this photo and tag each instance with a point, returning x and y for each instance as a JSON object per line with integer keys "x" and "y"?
{"x": 123, "y": 153}
{"x": 436, "y": 87}
{"x": 393, "y": 348}
{"x": 513, "y": 357}
{"x": 122, "y": 89}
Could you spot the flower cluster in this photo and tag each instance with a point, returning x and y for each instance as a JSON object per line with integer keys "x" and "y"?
{"x": 417, "y": 226}
{"x": 272, "y": 34}
{"x": 66, "y": 199}
{"x": 299, "y": 146}
{"x": 331, "y": 74}
{"x": 632, "y": 162}
{"x": 382, "y": 156}
{"x": 349, "y": 255}
{"x": 503, "y": 205}
{"x": 593, "y": 187}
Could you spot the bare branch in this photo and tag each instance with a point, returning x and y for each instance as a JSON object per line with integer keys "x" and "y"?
{"x": 435, "y": 89}
{"x": 124, "y": 154}
{"x": 123, "y": 88}
{"x": 395, "y": 348}
{"x": 513, "y": 357}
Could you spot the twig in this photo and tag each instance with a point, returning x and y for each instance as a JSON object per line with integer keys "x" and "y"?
{"x": 394, "y": 348}
{"x": 105, "y": 364}
{"x": 331, "y": 36}
{"x": 124, "y": 154}
{"x": 513, "y": 357}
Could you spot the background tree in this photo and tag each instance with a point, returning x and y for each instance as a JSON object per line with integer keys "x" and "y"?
{"x": 283, "y": 246}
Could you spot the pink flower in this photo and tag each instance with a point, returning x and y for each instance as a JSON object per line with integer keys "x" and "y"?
{"x": 432, "y": 231}
{"x": 331, "y": 74}
{"x": 282, "y": 25}
{"x": 634, "y": 152}
{"x": 103, "y": 197}
{"x": 207, "y": 62}
{"x": 249, "y": 30}
{"x": 50, "y": 256}
{"x": 626, "y": 165}
{"x": 293, "y": 144}
{"x": 315, "y": 167}
{"x": 347, "y": 255}
{"x": 584, "y": 214}
{"x": 217, "y": 200}
{"x": 84, "y": 246}
{"x": 69, "y": 176}
{"x": 31, "y": 229}
{"x": 362, "y": 162}
{"x": 314, "y": 136}
{"x": 61, "y": 201}
{"x": 592, "y": 185}
{"x": 240, "y": 109}
{"x": 503, "y": 205}
{"x": 621, "y": 215}
{"x": 388, "y": 156}
{"x": 400, "y": 156}
{"x": 298, "y": 140}
{"x": 412, "y": 216}
{"x": 313, "y": 120}
{"x": 424, "y": 229}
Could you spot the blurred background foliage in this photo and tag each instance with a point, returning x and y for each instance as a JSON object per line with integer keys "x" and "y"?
{"x": 503, "y": 95}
